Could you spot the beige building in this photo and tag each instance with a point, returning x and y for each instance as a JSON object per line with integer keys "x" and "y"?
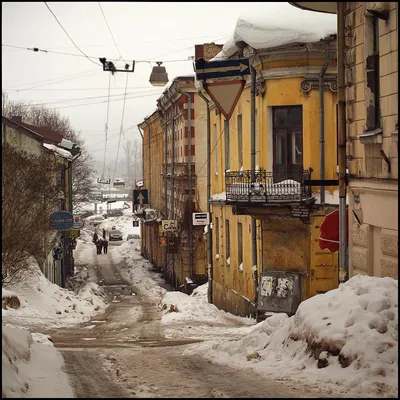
{"x": 370, "y": 60}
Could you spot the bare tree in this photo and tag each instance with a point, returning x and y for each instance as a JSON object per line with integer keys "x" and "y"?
{"x": 31, "y": 188}
{"x": 83, "y": 167}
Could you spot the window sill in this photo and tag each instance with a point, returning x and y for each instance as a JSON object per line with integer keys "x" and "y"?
{"x": 371, "y": 137}
{"x": 395, "y": 136}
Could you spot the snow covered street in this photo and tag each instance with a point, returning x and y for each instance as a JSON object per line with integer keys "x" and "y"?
{"x": 123, "y": 333}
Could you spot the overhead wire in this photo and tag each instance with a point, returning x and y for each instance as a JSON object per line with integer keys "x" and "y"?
{"x": 59, "y": 23}
{"x": 108, "y": 111}
{"x": 121, "y": 128}
{"x": 108, "y": 26}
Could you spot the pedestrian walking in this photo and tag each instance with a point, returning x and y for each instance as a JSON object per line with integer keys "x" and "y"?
{"x": 104, "y": 233}
{"x": 105, "y": 246}
{"x": 95, "y": 238}
{"x": 99, "y": 245}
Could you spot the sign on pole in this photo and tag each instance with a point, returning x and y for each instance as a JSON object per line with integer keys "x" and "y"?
{"x": 201, "y": 218}
{"x": 140, "y": 197}
{"x": 221, "y": 69}
{"x": 169, "y": 225}
{"x": 61, "y": 220}
{"x": 78, "y": 223}
{"x": 225, "y": 95}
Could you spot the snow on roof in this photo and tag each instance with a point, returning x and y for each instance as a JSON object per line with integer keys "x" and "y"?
{"x": 271, "y": 27}
{"x": 58, "y": 150}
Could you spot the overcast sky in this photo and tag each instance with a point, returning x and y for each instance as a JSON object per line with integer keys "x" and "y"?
{"x": 142, "y": 31}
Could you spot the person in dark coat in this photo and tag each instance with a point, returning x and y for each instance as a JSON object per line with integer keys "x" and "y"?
{"x": 99, "y": 245}
{"x": 105, "y": 246}
{"x": 95, "y": 237}
{"x": 104, "y": 233}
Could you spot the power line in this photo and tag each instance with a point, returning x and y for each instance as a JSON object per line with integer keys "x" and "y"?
{"x": 155, "y": 91}
{"x": 68, "y": 35}
{"x": 108, "y": 26}
{"x": 121, "y": 129}
{"x": 54, "y": 80}
{"x": 36, "y": 49}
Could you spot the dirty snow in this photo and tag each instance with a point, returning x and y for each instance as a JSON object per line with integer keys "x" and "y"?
{"x": 355, "y": 324}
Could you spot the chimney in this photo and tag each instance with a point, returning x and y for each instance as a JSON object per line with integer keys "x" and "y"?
{"x": 16, "y": 118}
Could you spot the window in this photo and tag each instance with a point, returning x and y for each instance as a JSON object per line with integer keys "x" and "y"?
{"x": 373, "y": 131}
{"x": 227, "y": 144}
{"x": 240, "y": 245}
{"x": 215, "y": 150}
{"x": 240, "y": 140}
{"x": 227, "y": 243}
{"x": 216, "y": 235}
{"x": 287, "y": 143}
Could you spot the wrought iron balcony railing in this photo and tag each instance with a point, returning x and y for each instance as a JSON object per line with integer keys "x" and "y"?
{"x": 259, "y": 187}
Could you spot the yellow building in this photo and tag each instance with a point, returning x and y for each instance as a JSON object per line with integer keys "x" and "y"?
{"x": 369, "y": 58}
{"x": 266, "y": 219}
{"x": 177, "y": 187}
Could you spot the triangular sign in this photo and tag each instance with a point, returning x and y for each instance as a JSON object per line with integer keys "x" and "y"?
{"x": 225, "y": 94}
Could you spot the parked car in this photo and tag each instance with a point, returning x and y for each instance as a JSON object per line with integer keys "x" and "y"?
{"x": 133, "y": 236}
{"x": 115, "y": 213}
{"x": 115, "y": 235}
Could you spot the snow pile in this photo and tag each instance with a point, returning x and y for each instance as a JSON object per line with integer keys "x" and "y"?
{"x": 46, "y": 304}
{"x": 345, "y": 339}
{"x": 219, "y": 197}
{"x": 180, "y": 306}
{"x": 58, "y": 150}
{"x": 272, "y": 27}
{"x": 201, "y": 293}
{"x": 31, "y": 366}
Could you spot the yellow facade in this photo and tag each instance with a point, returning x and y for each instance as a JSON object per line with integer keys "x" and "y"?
{"x": 285, "y": 242}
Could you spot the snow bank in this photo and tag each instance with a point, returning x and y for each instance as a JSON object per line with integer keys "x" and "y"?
{"x": 46, "y": 304}
{"x": 31, "y": 366}
{"x": 180, "y": 306}
{"x": 272, "y": 27}
{"x": 345, "y": 339}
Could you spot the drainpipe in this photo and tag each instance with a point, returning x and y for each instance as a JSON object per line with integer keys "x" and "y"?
{"x": 172, "y": 210}
{"x": 149, "y": 189}
{"x": 141, "y": 225}
{"x": 253, "y": 168}
{"x": 343, "y": 266}
{"x": 190, "y": 181}
{"x": 165, "y": 178}
{"x": 209, "y": 237}
{"x": 322, "y": 121}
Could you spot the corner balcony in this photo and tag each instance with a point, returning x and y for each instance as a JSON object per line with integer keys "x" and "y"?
{"x": 258, "y": 186}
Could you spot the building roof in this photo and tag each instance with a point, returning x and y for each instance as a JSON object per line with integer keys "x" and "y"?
{"x": 43, "y": 133}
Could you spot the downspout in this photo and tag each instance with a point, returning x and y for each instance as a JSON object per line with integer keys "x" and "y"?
{"x": 209, "y": 237}
{"x": 165, "y": 179}
{"x": 322, "y": 121}
{"x": 190, "y": 181}
{"x": 253, "y": 168}
{"x": 172, "y": 210}
{"x": 149, "y": 190}
{"x": 343, "y": 266}
{"x": 141, "y": 225}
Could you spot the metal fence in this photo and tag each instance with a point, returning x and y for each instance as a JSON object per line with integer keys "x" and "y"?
{"x": 257, "y": 186}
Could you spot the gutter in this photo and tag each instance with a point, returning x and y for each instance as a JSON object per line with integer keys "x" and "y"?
{"x": 209, "y": 237}
{"x": 322, "y": 121}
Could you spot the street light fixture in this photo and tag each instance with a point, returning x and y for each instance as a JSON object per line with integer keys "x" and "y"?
{"x": 159, "y": 76}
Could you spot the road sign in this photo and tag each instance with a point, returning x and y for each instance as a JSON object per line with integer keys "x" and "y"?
{"x": 78, "y": 223}
{"x": 61, "y": 220}
{"x": 73, "y": 234}
{"x": 225, "y": 94}
{"x": 140, "y": 197}
{"x": 221, "y": 69}
{"x": 135, "y": 223}
{"x": 169, "y": 225}
{"x": 201, "y": 218}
